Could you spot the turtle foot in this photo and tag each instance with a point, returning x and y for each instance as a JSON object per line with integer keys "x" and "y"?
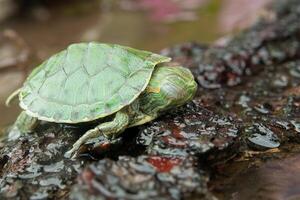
{"x": 72, "y": 153}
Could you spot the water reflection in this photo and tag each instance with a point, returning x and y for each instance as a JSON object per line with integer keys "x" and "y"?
{"x": 274, "y": 180}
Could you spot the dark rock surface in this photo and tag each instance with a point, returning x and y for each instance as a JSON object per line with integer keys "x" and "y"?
{"x": 249, "y": 98}
{"x": 143, "y": 177}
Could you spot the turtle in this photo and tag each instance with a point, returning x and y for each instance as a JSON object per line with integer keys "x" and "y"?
{"x": 113, "y": 86}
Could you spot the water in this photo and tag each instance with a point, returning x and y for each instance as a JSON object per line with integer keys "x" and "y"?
{"x": 273, "y": 175}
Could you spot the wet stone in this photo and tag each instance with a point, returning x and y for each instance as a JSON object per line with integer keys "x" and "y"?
{"x": 247, "y": 53}
{"x": 144, "y": 177}
{"x": 190, "y": 130}
{"x": 296, "y": 125}
{"x": 262, "y": 136}
{"x": 281, "y": 81}
{"x": 263, "y": 108}
{"x": 35, "y": 167}
{"x": 294, "y": 69}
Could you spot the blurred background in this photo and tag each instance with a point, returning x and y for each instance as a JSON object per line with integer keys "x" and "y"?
{"x": 32, "y": 30}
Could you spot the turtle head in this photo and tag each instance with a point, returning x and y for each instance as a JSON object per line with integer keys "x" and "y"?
{"x": 169, "y": 87}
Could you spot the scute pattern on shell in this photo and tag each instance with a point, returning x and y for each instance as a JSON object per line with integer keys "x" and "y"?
{"x": 87, "y": 81}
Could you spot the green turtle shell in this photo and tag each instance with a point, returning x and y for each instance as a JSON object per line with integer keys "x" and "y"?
{"x": 87, "y": 81}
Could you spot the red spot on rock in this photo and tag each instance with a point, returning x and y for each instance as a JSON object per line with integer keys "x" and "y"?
{"x": 171, "y": 141}
{"x": 164, "y": 164}
{"x": 177, "y": 133}
{"x": 86, "y": 177}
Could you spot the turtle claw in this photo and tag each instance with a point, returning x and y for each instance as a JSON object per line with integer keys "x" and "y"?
{"x": 72, "y": 154}
{"x": 68, "y": 154}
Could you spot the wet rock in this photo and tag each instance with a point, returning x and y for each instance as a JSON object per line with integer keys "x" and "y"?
{"x": 294, "y": 69}
{"x": 33, "y": 166}
{"x": 262, "y": 136}
{"x": 263, "y": 108}
{"x": 190, "y": 130}
{"x": 246, "y": 54}
{"x": 144, "y": 177}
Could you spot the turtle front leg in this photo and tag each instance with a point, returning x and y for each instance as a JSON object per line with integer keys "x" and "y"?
{"x": 23, "y": 124}
{"x": 109, "y": 129}
{"x": 26, "y": 123}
